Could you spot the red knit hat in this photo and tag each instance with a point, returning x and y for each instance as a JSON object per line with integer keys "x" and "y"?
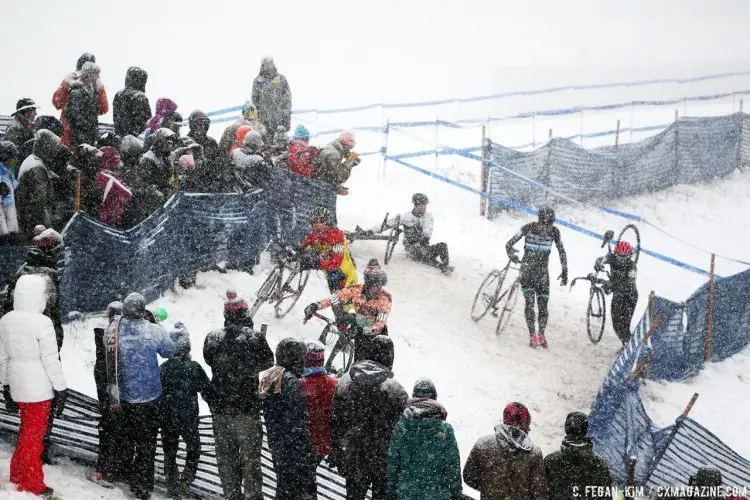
{"x": 315, "y": 354}
{"x": 234, "y": 305}
{"x": 517, "y": 415}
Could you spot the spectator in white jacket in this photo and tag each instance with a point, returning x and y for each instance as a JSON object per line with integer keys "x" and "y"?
{"x": 31, "y": 375}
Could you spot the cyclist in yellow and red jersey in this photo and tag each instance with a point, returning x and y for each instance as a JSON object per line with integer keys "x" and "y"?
{"x": 326, "y": 248}
{"x": 372, "y": 305}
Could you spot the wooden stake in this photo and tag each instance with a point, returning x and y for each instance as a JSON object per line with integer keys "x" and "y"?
{"x": 710, "y": 310}
{"x": 689, "y": 407}
{"x": 533, "y": 131}
{"x": 617, "y": 134}
{"x": 645, "y": 361}
{"x": 550, "y": 133}
{"x": 651, "y": 306}
{"x": 78, "y": 191}
{"x": 482, "y": 200}
{"x": 676, "y": 115}
{"x": 741, "y": 106}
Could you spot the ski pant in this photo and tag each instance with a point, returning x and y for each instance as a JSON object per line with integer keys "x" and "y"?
{"x": 434, "y": 255}
{"x": 26, "y": 464}
{"x": 113, "y": 458}
{"x": 535, "y": 287}
{"x": 170, "y": 438}
{"x": 622, "y": 309}
{"x": 238, "y": 443}
{"x": 296, "y": 484}
{"x": 140, "y": 423}
{"x": 356, "y": 488}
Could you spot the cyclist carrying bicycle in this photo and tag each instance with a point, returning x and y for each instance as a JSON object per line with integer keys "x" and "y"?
{"x": 372, "y": 305}
{"x": 539, "y": 237}
{"x": 622, "y": 276}
{"x": 326, "y": 248}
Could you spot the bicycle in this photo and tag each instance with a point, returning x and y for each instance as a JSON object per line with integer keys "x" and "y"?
{"x": 341, "y": 357}
{"x": 491, "y": 296}
{"x": 596, "y": 311}
{"x": 284, "y": 291}
{"x": 391, "y": 238}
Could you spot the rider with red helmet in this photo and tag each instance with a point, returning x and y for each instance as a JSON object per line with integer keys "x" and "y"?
{"x": 622, "y": 278}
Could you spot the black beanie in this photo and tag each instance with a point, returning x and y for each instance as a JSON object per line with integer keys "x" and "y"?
{"x": 576, "y": 424}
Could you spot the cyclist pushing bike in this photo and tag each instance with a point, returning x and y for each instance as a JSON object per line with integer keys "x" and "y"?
{"x": 539, "y": 237}
{"x": 325, "y": 248}
{"x": 622, "y": 276}
{"x": 371, "y": 303}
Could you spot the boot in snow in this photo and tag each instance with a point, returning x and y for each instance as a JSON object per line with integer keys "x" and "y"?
{"x": 343, "y": 190}
{"x": 446, "y": 269}
{"x": 97, "y": 477}
{"x": 542, "y": 341}
{"x": 49, "y": 494}
{"x": 536, "y": 341}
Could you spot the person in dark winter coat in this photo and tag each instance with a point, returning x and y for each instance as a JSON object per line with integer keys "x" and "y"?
{"x": 87, "y": 159}
{"x": 181, "y": 380}
{"x": 146, "y": 198}
{"x": 156, "y": 167}
{"x": 131, "y": 109}
{"x": 286, "y": 422}
{"x": 506, "y": 465}
{"x": 36, "y": 197}
{"x": 47, "y": 122}
{"x": 82, "y": 111}
{"x": 252, "y": 168}
{"x": 366, "y": 408}
{"x": 423, "y": 458}
{"x": 199, "y": 123}
{"x": 576, "y": 465}
{"x": 318, "y": 388}
{"x": 8, "y": 184}
{"x": 111, "y": 461}
{"x": 236, "y": 355}
{"x": 272, "y": 97}
{"x": 335, "y": 161}
{"x": 21, "y": 130}
{"x": 139, "y": 342}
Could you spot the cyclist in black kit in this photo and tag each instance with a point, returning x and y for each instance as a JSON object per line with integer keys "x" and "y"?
{"x": 539, "y": 237}
{"x": 622, "y": 276}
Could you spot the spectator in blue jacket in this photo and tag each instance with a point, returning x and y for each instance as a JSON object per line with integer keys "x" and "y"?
{"x": 139, "y": 342}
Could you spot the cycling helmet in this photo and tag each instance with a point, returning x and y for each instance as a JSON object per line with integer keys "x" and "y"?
{"x": 623, "y": 249}
{"x": 374, "y": 275}
{"x": 320, "y": 214}
{"x": 546, "y": 215}
{"x": 419, "y": 199}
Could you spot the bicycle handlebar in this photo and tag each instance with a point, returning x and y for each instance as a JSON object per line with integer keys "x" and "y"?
{"x": 592, "y": 278}
{"x": 319, "y": 316}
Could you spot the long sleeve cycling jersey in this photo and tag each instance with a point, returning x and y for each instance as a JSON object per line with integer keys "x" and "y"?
{"x": 417, "y": 228}
{"x": 538, "y": 245}
{"x": 371, "y": 312}
{"x": 329, "y": 245}
{"x": 622, "y": 273}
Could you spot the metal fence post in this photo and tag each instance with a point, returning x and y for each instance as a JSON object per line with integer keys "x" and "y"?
{"x": 483, "y": 181}
{"x": 710, "y": 310}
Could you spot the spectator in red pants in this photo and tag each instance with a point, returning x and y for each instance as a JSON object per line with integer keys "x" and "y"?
{"x": 31, "y": 374}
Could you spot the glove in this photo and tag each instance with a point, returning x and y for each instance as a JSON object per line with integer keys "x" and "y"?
{"x": 563, "y": 277}
{"x": 598, "y": 267}
{"x": 513, "y": 256}
{"x": 311, "y": 310}
{"x": 4, "y": 189}
{"x": 10, "y": 405}
{"x": 607, "y": 288}
{"x": 61, "y": 397}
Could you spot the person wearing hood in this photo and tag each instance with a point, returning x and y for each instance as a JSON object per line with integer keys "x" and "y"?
{"x": 575, "y": 465}
{"x": 423, "y": 458}
{"x": 36, "y": 198}
{"x": 155, "y": 168}
{"x": 367, "y": 406}
{"x": 48, "y": 122}
{"x": 318, "y": 388}
{"x": 181, "y": 379}
{"x": 199, "y": 123}
{"x": 236, "y": 355}
{"x": 31, "y": 375}
{"x": 87, "y": 159}
{"x": 252, "y": 168}
{"x": 21, "y": 130}
{"x": 335, "y": 161}
{"x": 92, "y": 100}
{"x": 285, "y": 413}
{"x": 115, "y": 194}
{"x": 272, "y": 96}
{"x": 164, "y": 108}
{"x": 507, "y": 465}
{"x": 301, "y": 155}
{"x": 8, "y": 184}
{"x": 139, "y": 344}
{"x": 130, "y": 108}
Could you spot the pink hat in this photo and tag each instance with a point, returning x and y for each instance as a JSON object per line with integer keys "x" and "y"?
{"x": 187, "y": 162}
{"x": 347, "y": 138}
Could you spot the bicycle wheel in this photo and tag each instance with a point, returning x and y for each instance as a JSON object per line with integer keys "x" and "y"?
{"x": 340, "y": 359}
{"x": 392, "y": 240}
{"x": 487, "y": 294}
{"x": 637, "y": 246}
{"x": 265, "y": 290}
{"x": 596, "y": 315}
{"x": 290, "y": 291}
{"x": 508, "y": 301}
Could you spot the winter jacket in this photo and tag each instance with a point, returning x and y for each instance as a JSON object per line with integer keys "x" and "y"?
{"x": 181, "y": 381}
{"x": 285, "y": 412}
{"x": 318, "y": 389}
{"x": 29, "y": 362}
{"x": 332, "y": 166}
{"x": 8, "y": 215}
{"x": 82, "y": 116}
{"x": 35, "y": 198}
{"x": 19, "y": 135}
{"x": 164, "y": 107}
{"x": 251, "y": 167}
{"x": 623, "y": 274}
{"x": 575, "y": 466}
{"x": 273, "y": 98}
{"x": 209, "y": 145}
{"x": 155, "y": 170}
{"x": 61, "y": 99}
{"x": 236, "y": 356}
{"x": 115, "y": 196}
{"x": 139, "y": 342}
{"x": 301, "y": 158}
{"x": 506, "y": 466}
{"x": 417, "y": 228}
{"x": 423, "y": 459}
{"x": 367, "y": 406}
{"x": 130, "y": 108}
